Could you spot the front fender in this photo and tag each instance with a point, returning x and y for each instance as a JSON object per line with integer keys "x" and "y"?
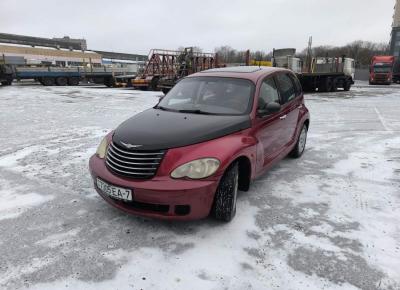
{"x": 226, "y": 149}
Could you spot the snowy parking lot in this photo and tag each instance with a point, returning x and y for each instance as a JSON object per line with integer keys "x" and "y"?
{"x": 330, "y": 220}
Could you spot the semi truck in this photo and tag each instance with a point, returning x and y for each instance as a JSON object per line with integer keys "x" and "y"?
{"x": 6, "y": 75}
{"x": 381, "y": 70}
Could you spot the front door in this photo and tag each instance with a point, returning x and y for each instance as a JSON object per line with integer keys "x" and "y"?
{"x": 269, "y": 127}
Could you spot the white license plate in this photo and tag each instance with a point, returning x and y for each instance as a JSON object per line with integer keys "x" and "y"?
{"x": 114, "y": 191}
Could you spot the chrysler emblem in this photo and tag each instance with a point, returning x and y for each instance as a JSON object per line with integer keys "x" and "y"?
{"x": 130, "y": 146}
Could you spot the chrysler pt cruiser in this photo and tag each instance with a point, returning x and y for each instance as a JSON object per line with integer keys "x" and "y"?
{"x": 210, "y": 136}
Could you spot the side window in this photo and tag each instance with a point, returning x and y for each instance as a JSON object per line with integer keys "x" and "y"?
{"x": 286, "y": 87}
{"x": 297, "y": 85}
{"x": 268, "y": 93}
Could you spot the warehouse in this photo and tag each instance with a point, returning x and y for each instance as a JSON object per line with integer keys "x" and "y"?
{"x": 50, "y": 56}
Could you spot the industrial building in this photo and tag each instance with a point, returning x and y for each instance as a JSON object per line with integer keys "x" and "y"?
{"x": 27, "y": 55}
{"x": 395, "y": 36}
{"x": 63, "y": 52}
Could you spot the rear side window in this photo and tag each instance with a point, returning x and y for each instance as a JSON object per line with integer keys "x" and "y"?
{"x": 297, "y": 85}
{"x": 287, "y": 89}
{"x": 268, "y": 93}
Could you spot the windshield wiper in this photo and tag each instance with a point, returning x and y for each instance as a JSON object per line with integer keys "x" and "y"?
{"x": 195, "y": 111}
{"x": 162, "y": 108}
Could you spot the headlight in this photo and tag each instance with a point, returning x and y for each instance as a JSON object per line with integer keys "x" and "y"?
{"x": 102, "y": 149}
{"x": 197, "y": 169}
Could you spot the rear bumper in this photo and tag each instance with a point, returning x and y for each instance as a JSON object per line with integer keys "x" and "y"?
{"x": 159, "y": 197}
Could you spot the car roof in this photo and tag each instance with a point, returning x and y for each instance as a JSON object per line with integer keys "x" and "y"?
{"x": 252, "y": 73}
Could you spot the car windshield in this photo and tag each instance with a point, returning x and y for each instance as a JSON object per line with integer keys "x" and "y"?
{"x": 382, "y": 69}
{"x": 210, "y": 95}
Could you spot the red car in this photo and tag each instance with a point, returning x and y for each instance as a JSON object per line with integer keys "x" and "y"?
{"x": 212, "y": 134}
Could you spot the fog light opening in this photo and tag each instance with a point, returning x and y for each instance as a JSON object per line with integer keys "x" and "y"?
{"x": 182, "y": 209}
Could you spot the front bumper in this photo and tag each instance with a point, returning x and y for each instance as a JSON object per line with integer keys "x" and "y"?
{"x": 159, "y": 197}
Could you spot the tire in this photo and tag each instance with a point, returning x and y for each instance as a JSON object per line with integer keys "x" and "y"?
{"x": 300, "y": 146}
{"x": 61, "y": 81}
{"x": 73, "y": 81}
{"x": 347, "y": 85}
{"x": 154, "y": 84}
{"x": 334, "y": 86}
{"x": 48, "y": 81}
{"x": 325, "y": 85}
{"x": 224, "y": 207}
{"x": 109, "y": 82}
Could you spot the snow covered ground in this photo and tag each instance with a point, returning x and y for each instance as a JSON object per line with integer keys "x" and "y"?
{"x": 330, "y": 220}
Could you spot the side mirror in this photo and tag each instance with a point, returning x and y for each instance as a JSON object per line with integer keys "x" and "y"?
{"x": 270, "y": 108}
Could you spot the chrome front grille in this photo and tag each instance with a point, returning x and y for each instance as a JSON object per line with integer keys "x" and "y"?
{"x": 133, "y": 163}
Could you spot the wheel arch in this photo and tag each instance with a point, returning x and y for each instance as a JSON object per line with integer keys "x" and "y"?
{"x": 244, "y": 164}
{"x": 307, "y": 123}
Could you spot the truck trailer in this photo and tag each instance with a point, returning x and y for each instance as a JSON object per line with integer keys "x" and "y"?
{"x": 381, "y": 70}
{"x": 328, "y": 74}
{"x": 325, "y": 74}
{"x": 62, "y": 76}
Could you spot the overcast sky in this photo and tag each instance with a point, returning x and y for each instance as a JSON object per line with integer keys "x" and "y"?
{"x": 137, "y": 26}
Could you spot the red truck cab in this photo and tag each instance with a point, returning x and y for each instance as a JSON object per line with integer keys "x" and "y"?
{"x": 381, "y": 70}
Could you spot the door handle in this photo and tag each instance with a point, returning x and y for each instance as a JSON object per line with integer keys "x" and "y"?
{"x": 299, "y": 107}
{"x": 283, "y": 117}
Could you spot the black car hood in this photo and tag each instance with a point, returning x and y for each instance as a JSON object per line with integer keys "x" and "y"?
{"x": 156, "y": 129}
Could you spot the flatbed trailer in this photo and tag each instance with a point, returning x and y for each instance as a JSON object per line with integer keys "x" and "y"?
{"x": 69, "y": 76}
{"x": 325, "y": 74}
{"x": 325, "y": 82}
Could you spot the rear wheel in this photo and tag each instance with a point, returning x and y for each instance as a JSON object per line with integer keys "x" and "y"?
{"x": 298, "y": 150}
{"x": 334, "y": 86}
{"x": 224, "y": 207}
{"x": 62, "y": 81}
{"x": 325, "y": 85}
{"x": 154, "y": 84}
{"x": 73, "y": 81}
{"x": 48, "y": 81}
{"x": 347, "y": 85}
{"x": 109, "y": 82}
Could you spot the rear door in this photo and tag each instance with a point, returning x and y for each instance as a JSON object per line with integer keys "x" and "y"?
{"x": 291, "y": 101}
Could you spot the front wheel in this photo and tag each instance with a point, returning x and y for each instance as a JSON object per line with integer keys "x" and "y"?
{"x": 298, "y": 149}
{"x": 224, "y": 207}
